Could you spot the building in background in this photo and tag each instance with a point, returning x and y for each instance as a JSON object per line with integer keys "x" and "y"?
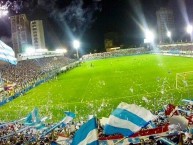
{"x": 111, "y": 41}
{"x": 20, "y": 32}
{"x": 37, "y": 34}
{"x": 165, "y": 24}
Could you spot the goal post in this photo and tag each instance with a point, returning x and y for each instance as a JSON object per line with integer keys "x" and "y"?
{"x": 184, "y": 80}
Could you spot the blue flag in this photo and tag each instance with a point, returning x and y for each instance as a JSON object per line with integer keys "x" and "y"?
{"x": 32, "y": 118}
{"x": 69, "y": 117}
{"x": 87, "y": 134}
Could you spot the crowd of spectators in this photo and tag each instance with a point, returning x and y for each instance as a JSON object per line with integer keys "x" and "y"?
{"x": 183, "y": 49}
{"x": 17, "y": 133}
{"x": 177, "y": 49}
{"x": 116, "y": 53}
{"x": 28, "y": 72}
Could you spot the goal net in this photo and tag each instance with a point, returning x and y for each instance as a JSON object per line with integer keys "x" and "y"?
{"x": 184, "y": 80}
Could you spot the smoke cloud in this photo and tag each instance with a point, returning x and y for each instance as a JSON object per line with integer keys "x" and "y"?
{"x": 77, "y": 14}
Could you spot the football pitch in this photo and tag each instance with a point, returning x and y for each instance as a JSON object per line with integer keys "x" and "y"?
{"x": 98, "y": 86}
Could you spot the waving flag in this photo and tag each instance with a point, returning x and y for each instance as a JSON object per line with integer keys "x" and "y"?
{"x": 69, "y": 117}
{"x": 7, "y": 54}
{"x": 171, "y": 110}
{"x": 87, "y": 134}
{"x": 32, "y": 118}
{"x": 127, "y": 119}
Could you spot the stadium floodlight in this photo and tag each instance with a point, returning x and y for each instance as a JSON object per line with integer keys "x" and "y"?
{"x": 30, "y": 50}
{"x": 3, "y": 10}
{"x": 189, "y": 29}
{"x": 76, "y": 45}
{"x": 149, "y": 37}
{"x": 169, "y": 34}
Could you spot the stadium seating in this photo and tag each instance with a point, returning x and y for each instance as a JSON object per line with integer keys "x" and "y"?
{"x": 28, "y": 72}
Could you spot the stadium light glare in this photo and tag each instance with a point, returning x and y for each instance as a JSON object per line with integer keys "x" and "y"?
{"x": 41, "y": 50}
{"x": 3, "y": 10}
{"x": 189, "y": 29}
{"x": 149, "y": 36}
{"x": 61, "y": 50}
{"x": 169, "y": 34}
{"x": 30, "y": 50}
{"x": 76, "y": 45}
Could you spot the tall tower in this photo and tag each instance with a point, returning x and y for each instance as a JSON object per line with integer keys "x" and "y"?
{"x": 165, "y": 23}
{"x": 37, "y": 34}
{"x": 20, "y": 33}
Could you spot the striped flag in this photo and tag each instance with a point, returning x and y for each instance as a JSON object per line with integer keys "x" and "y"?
{"x": 128, "y": 119}
{"x": 87, "y": 134}
{"x": 171, "y": 110}
{"x": 7, "y": 54}
{"x": 69, "y": 117}
{"x": 32, "y": 118}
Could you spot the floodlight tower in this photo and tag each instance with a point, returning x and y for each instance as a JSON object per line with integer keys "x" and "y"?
{"x": 76, "y": 45}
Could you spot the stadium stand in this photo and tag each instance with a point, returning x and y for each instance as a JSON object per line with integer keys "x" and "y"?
{"x": 116, "y": 53}
{"x": 180, "y": 49}
{"x": 27, "y": 73}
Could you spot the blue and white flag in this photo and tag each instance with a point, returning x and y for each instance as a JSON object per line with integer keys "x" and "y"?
{"x": 128, "y": 119}
{"x": 87, "y": 134}
{"x": 7, "y": 54}
{"x": 32, "y": 118}
{"x": 69, "y": 117}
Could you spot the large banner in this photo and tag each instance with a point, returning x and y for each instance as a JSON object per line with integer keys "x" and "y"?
{"x": 7, "y": 54}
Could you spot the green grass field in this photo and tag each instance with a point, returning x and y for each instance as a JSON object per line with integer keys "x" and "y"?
{"x": 147, "y": 80}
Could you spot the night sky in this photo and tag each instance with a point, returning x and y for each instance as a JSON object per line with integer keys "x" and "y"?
{"x": 90, "y": 20}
